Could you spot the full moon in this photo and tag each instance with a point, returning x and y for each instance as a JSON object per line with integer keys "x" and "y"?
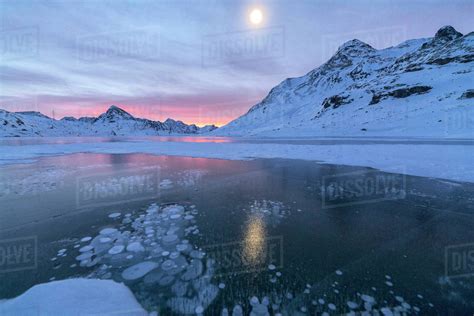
{"x": 256, "y": 16}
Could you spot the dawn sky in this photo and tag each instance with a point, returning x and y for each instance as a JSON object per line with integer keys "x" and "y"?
{"x": 201, "y": 62}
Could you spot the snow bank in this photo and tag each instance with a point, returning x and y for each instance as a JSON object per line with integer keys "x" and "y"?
{"x": 74, "y": 297}
{"x": 447, "y": 161}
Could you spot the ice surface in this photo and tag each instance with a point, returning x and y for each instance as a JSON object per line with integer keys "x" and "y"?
{"x": 74, "y": 297}
{"x": 416, "y": 159}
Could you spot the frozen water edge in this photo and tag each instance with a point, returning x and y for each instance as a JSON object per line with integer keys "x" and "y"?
{"x": 451, "y": 162}
{"x": 74, "y": 297}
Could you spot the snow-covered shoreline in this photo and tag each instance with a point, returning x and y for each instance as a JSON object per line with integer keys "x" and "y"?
{"x": 451, "y": 162}
{"x": 74, "y": 297}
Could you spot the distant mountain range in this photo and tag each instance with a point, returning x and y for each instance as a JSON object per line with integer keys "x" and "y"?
{"x": 114, "y": 122}
{"x": 422, "y": 87}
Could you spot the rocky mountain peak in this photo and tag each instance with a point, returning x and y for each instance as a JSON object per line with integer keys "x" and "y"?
{"x": 354, "y": 48}
{"x": 447, "y": 33}
{"x": 114, "y": 111}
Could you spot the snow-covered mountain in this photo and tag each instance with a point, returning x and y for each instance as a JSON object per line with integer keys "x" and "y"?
{"x": 422, "y": 87}
{"x": 114, "y": 122}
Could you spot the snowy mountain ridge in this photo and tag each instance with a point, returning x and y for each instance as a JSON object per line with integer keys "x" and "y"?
{"x": 114, "y": 122}
{"x": 422, "y": 87}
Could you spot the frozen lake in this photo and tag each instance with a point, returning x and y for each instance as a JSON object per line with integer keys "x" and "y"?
{"x": 189, "y": 233}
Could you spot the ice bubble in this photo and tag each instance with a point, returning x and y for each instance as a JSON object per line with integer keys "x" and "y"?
{"x": 167, "y": 265}
{"x": 221, "y": 285}
{"x": 352, "y": 305}
{"x": 188, "y": 217}
{"x": 259, "y": 310}
{"x": 278, "y": 274}
{"x": 386, "y": 311}
{"x": 139, "y": 270}
{"x": 114, "y": 215}
{"x": 165, "y": 253}
{"x": 86, "y": 248}
{"x": 129, "y": 257}
{"x": 254, "y": 301}
{"x": 419, "y": 296}
{"x": 92, "y": 263}
{"x": 153, "y": 277}
{"x": 169, "y": 240}
{"x": 388, "y": 277}
{"x": 135, "y": 246}
{"x": 166, "y": 280}
{"x": 237, "y": 311}
{"x": 303, "y": 309}
{"x": 321, "y": 301}
{"x": 175, "y": 216}
{"x": 77, "y": 246}
{"x": 105, "y": 240}
{"x": 61, "y": 251}
{"x": 406, "y": 305}
{"x": 399, "y": 298}
{"x": 84, "y": 256}
{"x": 174, "y": 255}
{"x": 182, "y": 247}
{"x": 199, "y": 309}
{"x": 225, "y": 312}
{"x": 197, "y": 254}
{"x": 108, "y": 231}
{"x": 85, "y": 239}
{"x": 271, "y": 267}
{"x": 338, "y": 272}
{"x": 116, "y": 249}
{"x": 332, "y": 306}
{"x": 389, "y": 283}
{"x": 193, "y": 270}
{"x": 73, "y": 265}
{"x": 368, "y": 298}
